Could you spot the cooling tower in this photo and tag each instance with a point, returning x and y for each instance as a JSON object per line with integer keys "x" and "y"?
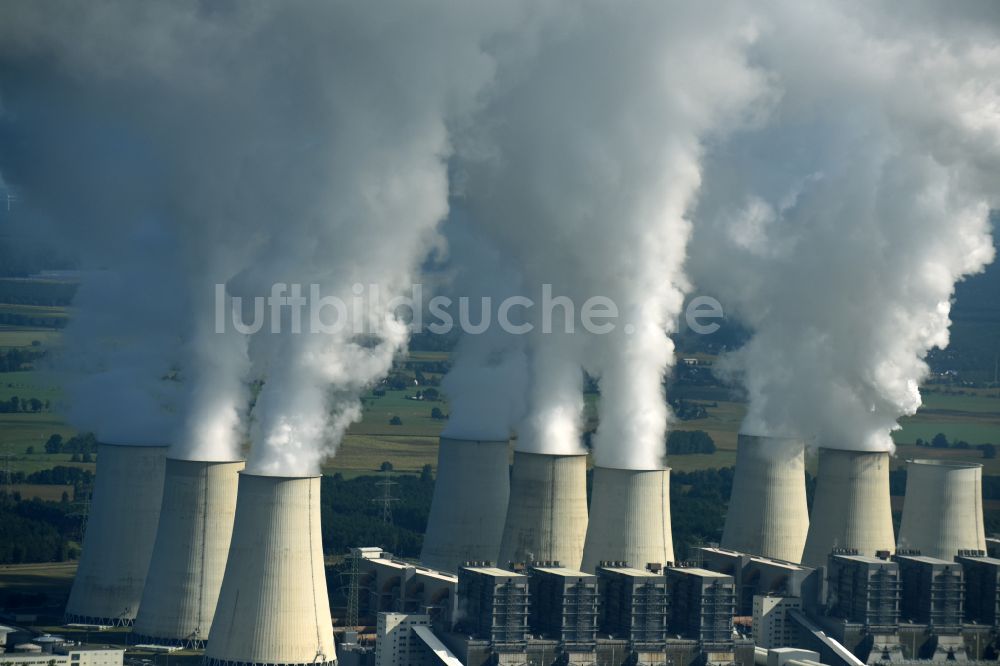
{"x": 629, "y": 518}
{"x": 943, "y": 509}
{"x": 273, "y": 607}
{"x": 189, "y": 558}
{"x": 121, "y": 528}
{"x": 469, "y": 505}
{"x": 547, "y": 511}
{"x": 851, "y": 506}
{"x": 768, "y": 514}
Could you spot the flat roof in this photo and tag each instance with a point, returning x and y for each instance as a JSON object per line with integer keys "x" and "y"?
{"x": 866, "y": 559}
{"x": 494, "y": 571}
{"x": 563, "y": 571}
{"x": 634, "y": 572}
{"x": 926, "y": 559}
{"x": 698, "y": 571}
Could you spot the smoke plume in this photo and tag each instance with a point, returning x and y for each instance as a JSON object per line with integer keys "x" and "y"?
{"x": 584, "y": 164}
{"x": 838, "y": 228}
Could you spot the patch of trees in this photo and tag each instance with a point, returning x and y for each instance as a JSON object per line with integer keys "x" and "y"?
{"x": 352, "y": 512}
{"x": 684, "y": 442}
{"x": 686, "y": 410}
{"x": 13, "y": 360}
{"x": 33, "y": 321}
{"x": 83, "y": 443}
{"x": 698, "y": 502}
{"x": 941, "y": 441}
{"x": 15, "y": 405}
{"x": 36, "y": 531}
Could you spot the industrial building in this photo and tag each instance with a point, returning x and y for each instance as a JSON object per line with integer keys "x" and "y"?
{"x": 407, "y": 640}
{"x": 563, "y": 606}
{"x": 547, "y": 512}
{"x": 493, "y": 605}
{"x": 759, "y": 576}
{"x": 190, "y": 552}
{"x": 701, "y": 606}
{"x": 273, "y": 605}
{"x": 932, "y": 595}
{"x": 943, "y": 508}
{"x": 773, "y": 622}
{"x": 121, "y": 530}
{"x": 767, "y": 514}
{"x": 469, "y": 505}
{"x": 629, "y": 518}
{"x": 633, "y": 606}
{"x": 388, "y": 584}
{"x": 64, "y": 654}
{"x": 851, "y": 508}
{"x": 864, "y": 590}
{"x": 982, "y": 588}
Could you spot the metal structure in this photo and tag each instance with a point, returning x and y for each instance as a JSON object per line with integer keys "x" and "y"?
{"x": 768, "y": 514}
{"x": 982, "y": 588}
{"x": 932, "y": 592}
{"x": 629, "y": 518}
{"x": 386, "y": 500}
{"x": 851, "y": 507}
{"x": 563, "y": 605}
{"x": 864, "y": 590}
{"x": 189, "y": 556}
{"x": 943, "y": 509}
{"x": 547, "y": 512}
{"x": 121, "y": 530}
{"x": 467, "y": 513}
{"x": 493, "y": 605}
{"x": 701, "y": 605}
{"x": 273, "y": 605}
{"x": 634, "y": 605}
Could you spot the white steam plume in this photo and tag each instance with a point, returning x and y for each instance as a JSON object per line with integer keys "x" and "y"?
{"x": 596, "y": 140}
{"x": 838, "y": 229}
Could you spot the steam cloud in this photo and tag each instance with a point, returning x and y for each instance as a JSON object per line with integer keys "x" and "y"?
{"x": 843, "y": 257}
{"x": 588, "y": 162}
{"x": 833, "y": 166}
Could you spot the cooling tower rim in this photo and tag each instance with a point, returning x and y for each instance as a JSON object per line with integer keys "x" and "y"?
{"x": 205, "y": 462}
{"x": 134, "y": 446}
{"x": 951, "y": 464}
{"x": 637, "y": 470}
{"x": 474, "y": 440}
{"x": 582, "y": 454}
{"x": 778, "y": 438}
{"x": 279, "y": 477}
{"x": 850, "y": 452}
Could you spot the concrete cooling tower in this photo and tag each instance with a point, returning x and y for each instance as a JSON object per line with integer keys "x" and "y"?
{"x": 121, "y": 528}
{"x": 851, "y": 507}
{"x": 629, "y": 518}
{"x": 469, "y": 505}
{"x": 273, "y": 606}
{"x": 768, "y": 514}
{"x": 943, "y": 509}
{"x": 189, "y": 558}
{"x": 547, "y": 512}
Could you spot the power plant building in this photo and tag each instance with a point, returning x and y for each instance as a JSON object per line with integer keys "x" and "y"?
{"x": 189, "y": 557}
{"x": 273, "y": 605}
{"x": 982, "y": 588}
{"x": 932, "y": 592}
{"x": 629, "y": 518}
{"x": 469, "y": 506}
{"x": 121, "y": 530}
{"x": 634, "y": 605}
{"x": 768, "y": 514}
{"x": 493, "y": 605}
{"x": 701, "y": 606}
{"x": 563, "y": 606}
{"x": 943, "y": 509}
{"x": 864, "y": 590}
{"x": 547, "y": 512}
{"x": 851, "y": 509}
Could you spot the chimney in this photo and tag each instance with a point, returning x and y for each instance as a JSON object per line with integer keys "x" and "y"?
{"x": 629, "y": 517}
{"x": 189, "y": 557}
{"x": 121, "y": 529}
{"x": 273, "y": 606}
{"x": 768, "y": 514}
{"x": 943, "y": 509}
{"x": 547, "y": 511}
{"x": 851, "y": 507}
{"x": 469, "y": 504}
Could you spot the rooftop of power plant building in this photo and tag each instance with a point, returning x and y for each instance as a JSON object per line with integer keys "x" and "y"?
{"x": 696, "y": 571}
{"x": 556, "y": 570}
{"x": 759, "y": 559}
{"x": 625, "y": 570}
{"x": 491, "y": 570}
